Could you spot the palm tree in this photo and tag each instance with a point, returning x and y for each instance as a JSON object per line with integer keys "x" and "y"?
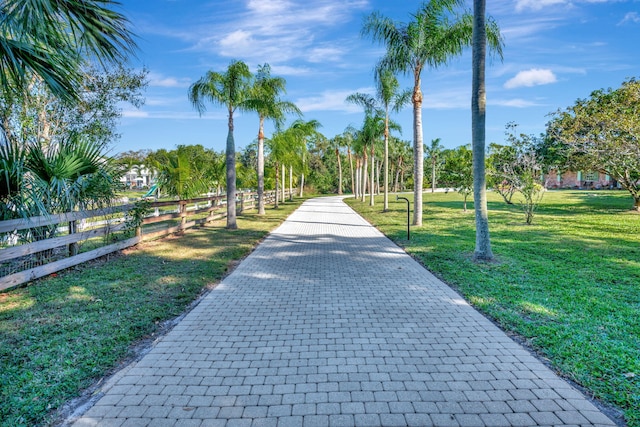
{"x": 433, "y": 154}
{"x": 179, "y": 176}
{"x": 433, "y": 36}
{"x": 229, "y": 89}
{"x": 387, "y": 93}
{"x": 482, "y": 250}
{"x": 374, "y": 128}
{"x": 264, "y": 99}
{"x": 50, "y": 38}
{"x": 369, "y": 104}
{"x": 349, "y": 138}
{"x": 302, "y": 132}
{"x": 40, "y": 178}
{"x": 335, "y": 144}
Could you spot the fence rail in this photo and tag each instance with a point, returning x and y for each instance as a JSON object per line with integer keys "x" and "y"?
{"x": 78, "y": 237}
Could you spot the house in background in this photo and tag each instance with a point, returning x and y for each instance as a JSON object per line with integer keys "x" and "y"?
{"x": 579, "y": 180}
{"x": 138, "y": 177}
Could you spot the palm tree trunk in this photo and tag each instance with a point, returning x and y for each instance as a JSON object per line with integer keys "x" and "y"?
{"x": 339, "y": 172}
{"x": 386, "y": 163}
{"x": 302, "y": 176}
{"x": 433, "y": 175}
{"x": 418, "y": 153}
{"x": 478, "y": 116}
{"x": 277, "y": 185}
{"x": 372, "y": 185}
{"x": 301, "y": 184}
{"x": 353, "y": 183}
{"x": 356, "y": 192}
{"x": 290, "y": 182}
{"x": 365, "y": 169}
{"x": 283, "y": 178}
{"x": 231, "y": 176}
{"x": 378, "y": 173}
{"x": 261, "y": 167}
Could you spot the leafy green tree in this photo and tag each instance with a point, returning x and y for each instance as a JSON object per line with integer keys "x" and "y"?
{"x": 434, "y": 35}
{"x": 265, "y": 100}
{"x": 458, "y": 171}
{"x": 602, "y": 133}
{"x": 229, "y": 89}
{"x": 524, "y": 171}
{"x": 51, "y": 38}
{"x": 40, "y": 117}
{"x": 498, "y": 161}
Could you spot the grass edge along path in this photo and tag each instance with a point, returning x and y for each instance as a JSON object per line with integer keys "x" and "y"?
{"x": 63, "y": 333}
{"x": 568, "y": 285}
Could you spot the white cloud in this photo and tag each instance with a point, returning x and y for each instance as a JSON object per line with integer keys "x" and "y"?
{"x": 286, "y": 70}
{"x": 532, "y": 77}
{"x": 516, "y": 102}
{"x": 281, "y": 30}
{"x": 541, "y": 4}
{"x": 323, "y": 54}
{"x": 159, "y": 80}
{"x": 173, "y": 115}
{"x": 236, "y": 41}
{"x": 536, "y": 4}
{"x": 137, "y": 114}
{"x": 630, "y": 17}
{"x": 331, "y": 100}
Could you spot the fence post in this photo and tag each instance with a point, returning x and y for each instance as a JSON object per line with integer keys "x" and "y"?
{"x": 183, "y": 213}
{"x": 73, "y": 247}
{"x": 241, "y": 208}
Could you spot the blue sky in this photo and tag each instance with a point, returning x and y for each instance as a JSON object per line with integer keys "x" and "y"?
{"x": 556, "y": 51}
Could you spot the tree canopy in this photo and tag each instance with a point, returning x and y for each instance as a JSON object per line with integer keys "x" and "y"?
{"x": 602, "y": 133}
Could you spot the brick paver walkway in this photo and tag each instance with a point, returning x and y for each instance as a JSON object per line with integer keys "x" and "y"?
{"x": 328, "y": 323}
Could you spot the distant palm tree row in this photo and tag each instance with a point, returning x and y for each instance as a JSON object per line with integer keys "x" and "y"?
{"x": 439, "y": 30}
{"x": 238, "y": 89}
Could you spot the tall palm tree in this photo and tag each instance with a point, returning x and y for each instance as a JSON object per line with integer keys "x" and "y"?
{"x": 433, "y": 36}
{"x": 433, "y": 152}
{"x": 387, "y": 92}
{"x": 265, "y": 100}
{"x": 482, "y": 250}
{"x": 50, "y": 38}
{"x": 229, "y": 89}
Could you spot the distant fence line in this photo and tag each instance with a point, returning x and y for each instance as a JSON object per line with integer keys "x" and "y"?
{"x": 100, "y": 232}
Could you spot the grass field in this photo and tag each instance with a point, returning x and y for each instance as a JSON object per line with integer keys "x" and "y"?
{"x": 59, "y": 335}
{"x": 569, "y": 284}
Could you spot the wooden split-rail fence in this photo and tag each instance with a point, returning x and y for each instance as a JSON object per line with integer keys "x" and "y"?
{"x": 78, "y": 237}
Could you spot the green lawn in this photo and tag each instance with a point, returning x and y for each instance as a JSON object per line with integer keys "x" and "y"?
{"x": 59, "y": 335}
{"x": 569, "y": 284}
